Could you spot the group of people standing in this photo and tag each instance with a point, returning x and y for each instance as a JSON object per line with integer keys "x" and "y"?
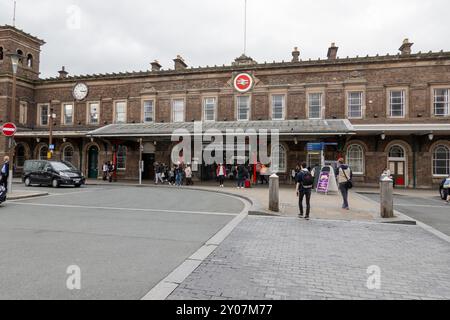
{"x": 305, "y": 183}
{"x": 176, "y": 175}
{"x": 108, "y": 171}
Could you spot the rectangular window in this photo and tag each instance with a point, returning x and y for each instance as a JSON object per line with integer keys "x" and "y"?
{"x": 68, "y": 113}
{"x": 441, "y": 102}
{"x": 43, "y": 114}
{"x": 315, "y": 105}
{"x": 397, "y": 103}
{"x": 278, "y": 107}
{"x": 120, "y": 111}
{"x": 94, "y": 113}
{"x": 355, "y": 102}
{"x": 23, "y": 113}
{"x": 148, "y": 111}
{"x": 209, "y": 107}
{"x": 178, "y": 110}
{"x": 243, "y": 108}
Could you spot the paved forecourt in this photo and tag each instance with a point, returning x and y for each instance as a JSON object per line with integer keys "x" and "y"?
{"x": 124, "y": 239}
{"x": 288, "y": 258}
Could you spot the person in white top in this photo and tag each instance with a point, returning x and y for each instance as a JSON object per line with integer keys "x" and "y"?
{"x": 221, "y": 173}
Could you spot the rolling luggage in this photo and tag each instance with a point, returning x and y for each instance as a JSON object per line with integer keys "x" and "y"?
{"x": 248, "y": 184}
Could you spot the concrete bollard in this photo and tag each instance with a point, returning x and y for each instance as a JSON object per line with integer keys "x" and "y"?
{"x": 274, "y": 193}
{"x": 387, "y": 198}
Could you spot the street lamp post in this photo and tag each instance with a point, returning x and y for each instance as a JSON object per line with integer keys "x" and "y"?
{"x": 51, "y": 117}
{"x": 15, "y": 58}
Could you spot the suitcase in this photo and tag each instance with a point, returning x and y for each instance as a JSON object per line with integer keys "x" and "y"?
{"x": 248, "y": 184}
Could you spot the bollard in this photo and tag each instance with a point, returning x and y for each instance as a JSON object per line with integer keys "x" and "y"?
{"x": 274, "y": 193}
{"x": 387, "y": 197}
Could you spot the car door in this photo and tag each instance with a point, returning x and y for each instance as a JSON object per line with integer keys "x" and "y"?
{"x": 47, "y": 174}
{"x": 37, "y": 171}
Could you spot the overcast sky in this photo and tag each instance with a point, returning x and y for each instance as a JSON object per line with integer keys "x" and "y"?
{"x": 118, "y": 35}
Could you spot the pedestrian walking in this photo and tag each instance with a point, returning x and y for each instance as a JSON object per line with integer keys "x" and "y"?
{"x": 221, "y": 173}
{"x": 4, "y": 173}
{"x": 105, "y": 171}
{"x": 304, "y": 188}
{"x": 188, "y": 174}
{"x": 178, "y": 176}
{"x": 158, "y": 177}
{"x": 240, "y": 176}
{"x": 111, "y": 169}
{"x": 446, "y": 187}
{"x": 344, "y": 176}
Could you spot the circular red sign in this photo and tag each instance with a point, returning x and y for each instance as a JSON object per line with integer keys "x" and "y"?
{"x": 243, "y": 82}
{"x": 9, "y": 129}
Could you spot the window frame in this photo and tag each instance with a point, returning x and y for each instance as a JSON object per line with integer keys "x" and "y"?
{"x": 88, "y": 112}
{"x": 40, "y": 150}
{"x": 433, "y": 161}
{"x": 204, "y": 104}
{"x": 249, "y": 110}
{"x": 363, "y": 161}
{"x": 405, "y": 98}
{"x": 143, "y": 101}
{"x": 272, "y": 106}
{"x": 23, "y": 112}
{"x": 115, "y": 111}
{"x": 308, "y": 104}
{"x": 172, "y": 113}
{"x": 63, "y": 151}
{"x": 124, "y": 168}
{"x": 348, "y": 105}
{"x": 433, "y": 101}
{"x": 63, "y": 113}
{"x": 39, "y": 114}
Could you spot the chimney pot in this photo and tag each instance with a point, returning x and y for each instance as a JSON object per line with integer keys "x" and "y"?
{"x": 295, "y": 55}
{"x": 179, "y": 63}
{"x": 63, "y": 73}
{"x": 405, "y": 49}
{"x": 332, "y": 52}
{"x": 156, "y": 66}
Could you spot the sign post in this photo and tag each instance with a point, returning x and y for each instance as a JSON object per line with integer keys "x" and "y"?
{"x": 9, "y": 130}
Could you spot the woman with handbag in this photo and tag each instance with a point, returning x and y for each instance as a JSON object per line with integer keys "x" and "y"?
{"x": 344, "y": 177}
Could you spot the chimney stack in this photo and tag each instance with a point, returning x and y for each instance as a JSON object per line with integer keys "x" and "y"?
{"x": 332, "y": 52}
{"x": 179, "y": 63}
{"x": 156, "y": 66}
{"x": 63, "y": 73}
{"x": 405, "y": 49}
{"x": 295, "y": 55}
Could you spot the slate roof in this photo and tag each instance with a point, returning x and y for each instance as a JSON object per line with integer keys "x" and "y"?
{"x": 288, "y": 127}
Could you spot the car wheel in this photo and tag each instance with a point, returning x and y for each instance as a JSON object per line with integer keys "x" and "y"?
{"x": 27, "y": 182}
{"x": 55, "y": 183}
{"x": 77, "y": 185}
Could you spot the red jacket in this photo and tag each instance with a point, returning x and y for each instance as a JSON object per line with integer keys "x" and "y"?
{"x": 224, "y": 171}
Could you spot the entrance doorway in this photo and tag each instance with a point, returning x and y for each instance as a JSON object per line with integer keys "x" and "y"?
{"x": 149, "y": 170}
{"x": 397, "y": 165}
{"x": 93, "y": 162}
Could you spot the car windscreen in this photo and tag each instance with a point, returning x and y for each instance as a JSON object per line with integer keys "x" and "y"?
{"x": 59, "y": 166}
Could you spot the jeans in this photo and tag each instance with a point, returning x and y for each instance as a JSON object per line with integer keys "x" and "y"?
{"x": 240, "y": 183}
{"x": 305, "y": 194}
{"x": 344, "y": 191}
{"x": 178, "y": 180}
{"x": 158, "y": 178}
{"x": 221, "y": 180}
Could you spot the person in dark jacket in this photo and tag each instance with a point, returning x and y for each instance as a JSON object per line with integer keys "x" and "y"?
{"x": 344, "y": 176}
{"x": 5, "y": 173}
{"x": 304, "y": 190}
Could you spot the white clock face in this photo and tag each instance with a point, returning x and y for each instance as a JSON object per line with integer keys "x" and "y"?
{"x": 80, "y": 91}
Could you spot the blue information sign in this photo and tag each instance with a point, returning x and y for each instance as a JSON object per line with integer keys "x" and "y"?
{"x": 51, "y": 147}
{"x": 315, "y": 146}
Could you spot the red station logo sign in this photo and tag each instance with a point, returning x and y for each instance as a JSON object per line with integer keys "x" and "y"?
{"x": 243, "y": 82}
{"x": 9, "y": 129}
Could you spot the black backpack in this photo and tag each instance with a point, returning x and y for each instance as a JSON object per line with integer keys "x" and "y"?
{"x": 307, "y": 180}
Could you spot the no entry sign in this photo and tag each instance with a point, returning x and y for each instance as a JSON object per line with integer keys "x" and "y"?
{"x": 243, "y": 82}
{"x": 9, "y": 129}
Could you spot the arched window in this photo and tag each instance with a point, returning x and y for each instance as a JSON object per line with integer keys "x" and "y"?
{"x": 355, "y": 158}
{"x": 20, "y": 53}
{"x": 43, "y": 153}
{"x": 29, "y": 60}
{"x": 282, "y": 159}
{"x": 121, "y": 157}
{"x": 441, "y": 161}
{"x": 1, "y": 53}
{"x": 67, "y": 154}
{"x": 396, "y": 152}
{"x": 20, "y": 156}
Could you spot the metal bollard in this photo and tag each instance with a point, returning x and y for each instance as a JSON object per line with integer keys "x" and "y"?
{"x": 274, "y": 193}
{"x": 387, "y": 197}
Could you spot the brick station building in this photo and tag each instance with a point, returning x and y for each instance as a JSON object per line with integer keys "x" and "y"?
{"x": 376, "y": 111}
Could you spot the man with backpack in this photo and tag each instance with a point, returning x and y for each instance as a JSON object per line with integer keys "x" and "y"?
{"x": 304, "y": 188}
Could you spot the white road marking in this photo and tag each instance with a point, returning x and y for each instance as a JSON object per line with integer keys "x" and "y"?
{"x": 418, "y": 205}
{"x": 123, "y": 209}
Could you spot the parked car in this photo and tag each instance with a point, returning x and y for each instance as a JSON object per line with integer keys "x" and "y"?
{"x": 51, "y": 173}
{"x": 443, "y": 192}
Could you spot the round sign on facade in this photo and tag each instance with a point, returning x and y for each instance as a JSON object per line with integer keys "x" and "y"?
{"x": 9, "y": 129}
{"x": 243, "y": 82}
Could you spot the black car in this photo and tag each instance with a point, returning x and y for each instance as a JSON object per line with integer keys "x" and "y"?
{"x": 51, "y": 173}
{"x": 443, "y": 192}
